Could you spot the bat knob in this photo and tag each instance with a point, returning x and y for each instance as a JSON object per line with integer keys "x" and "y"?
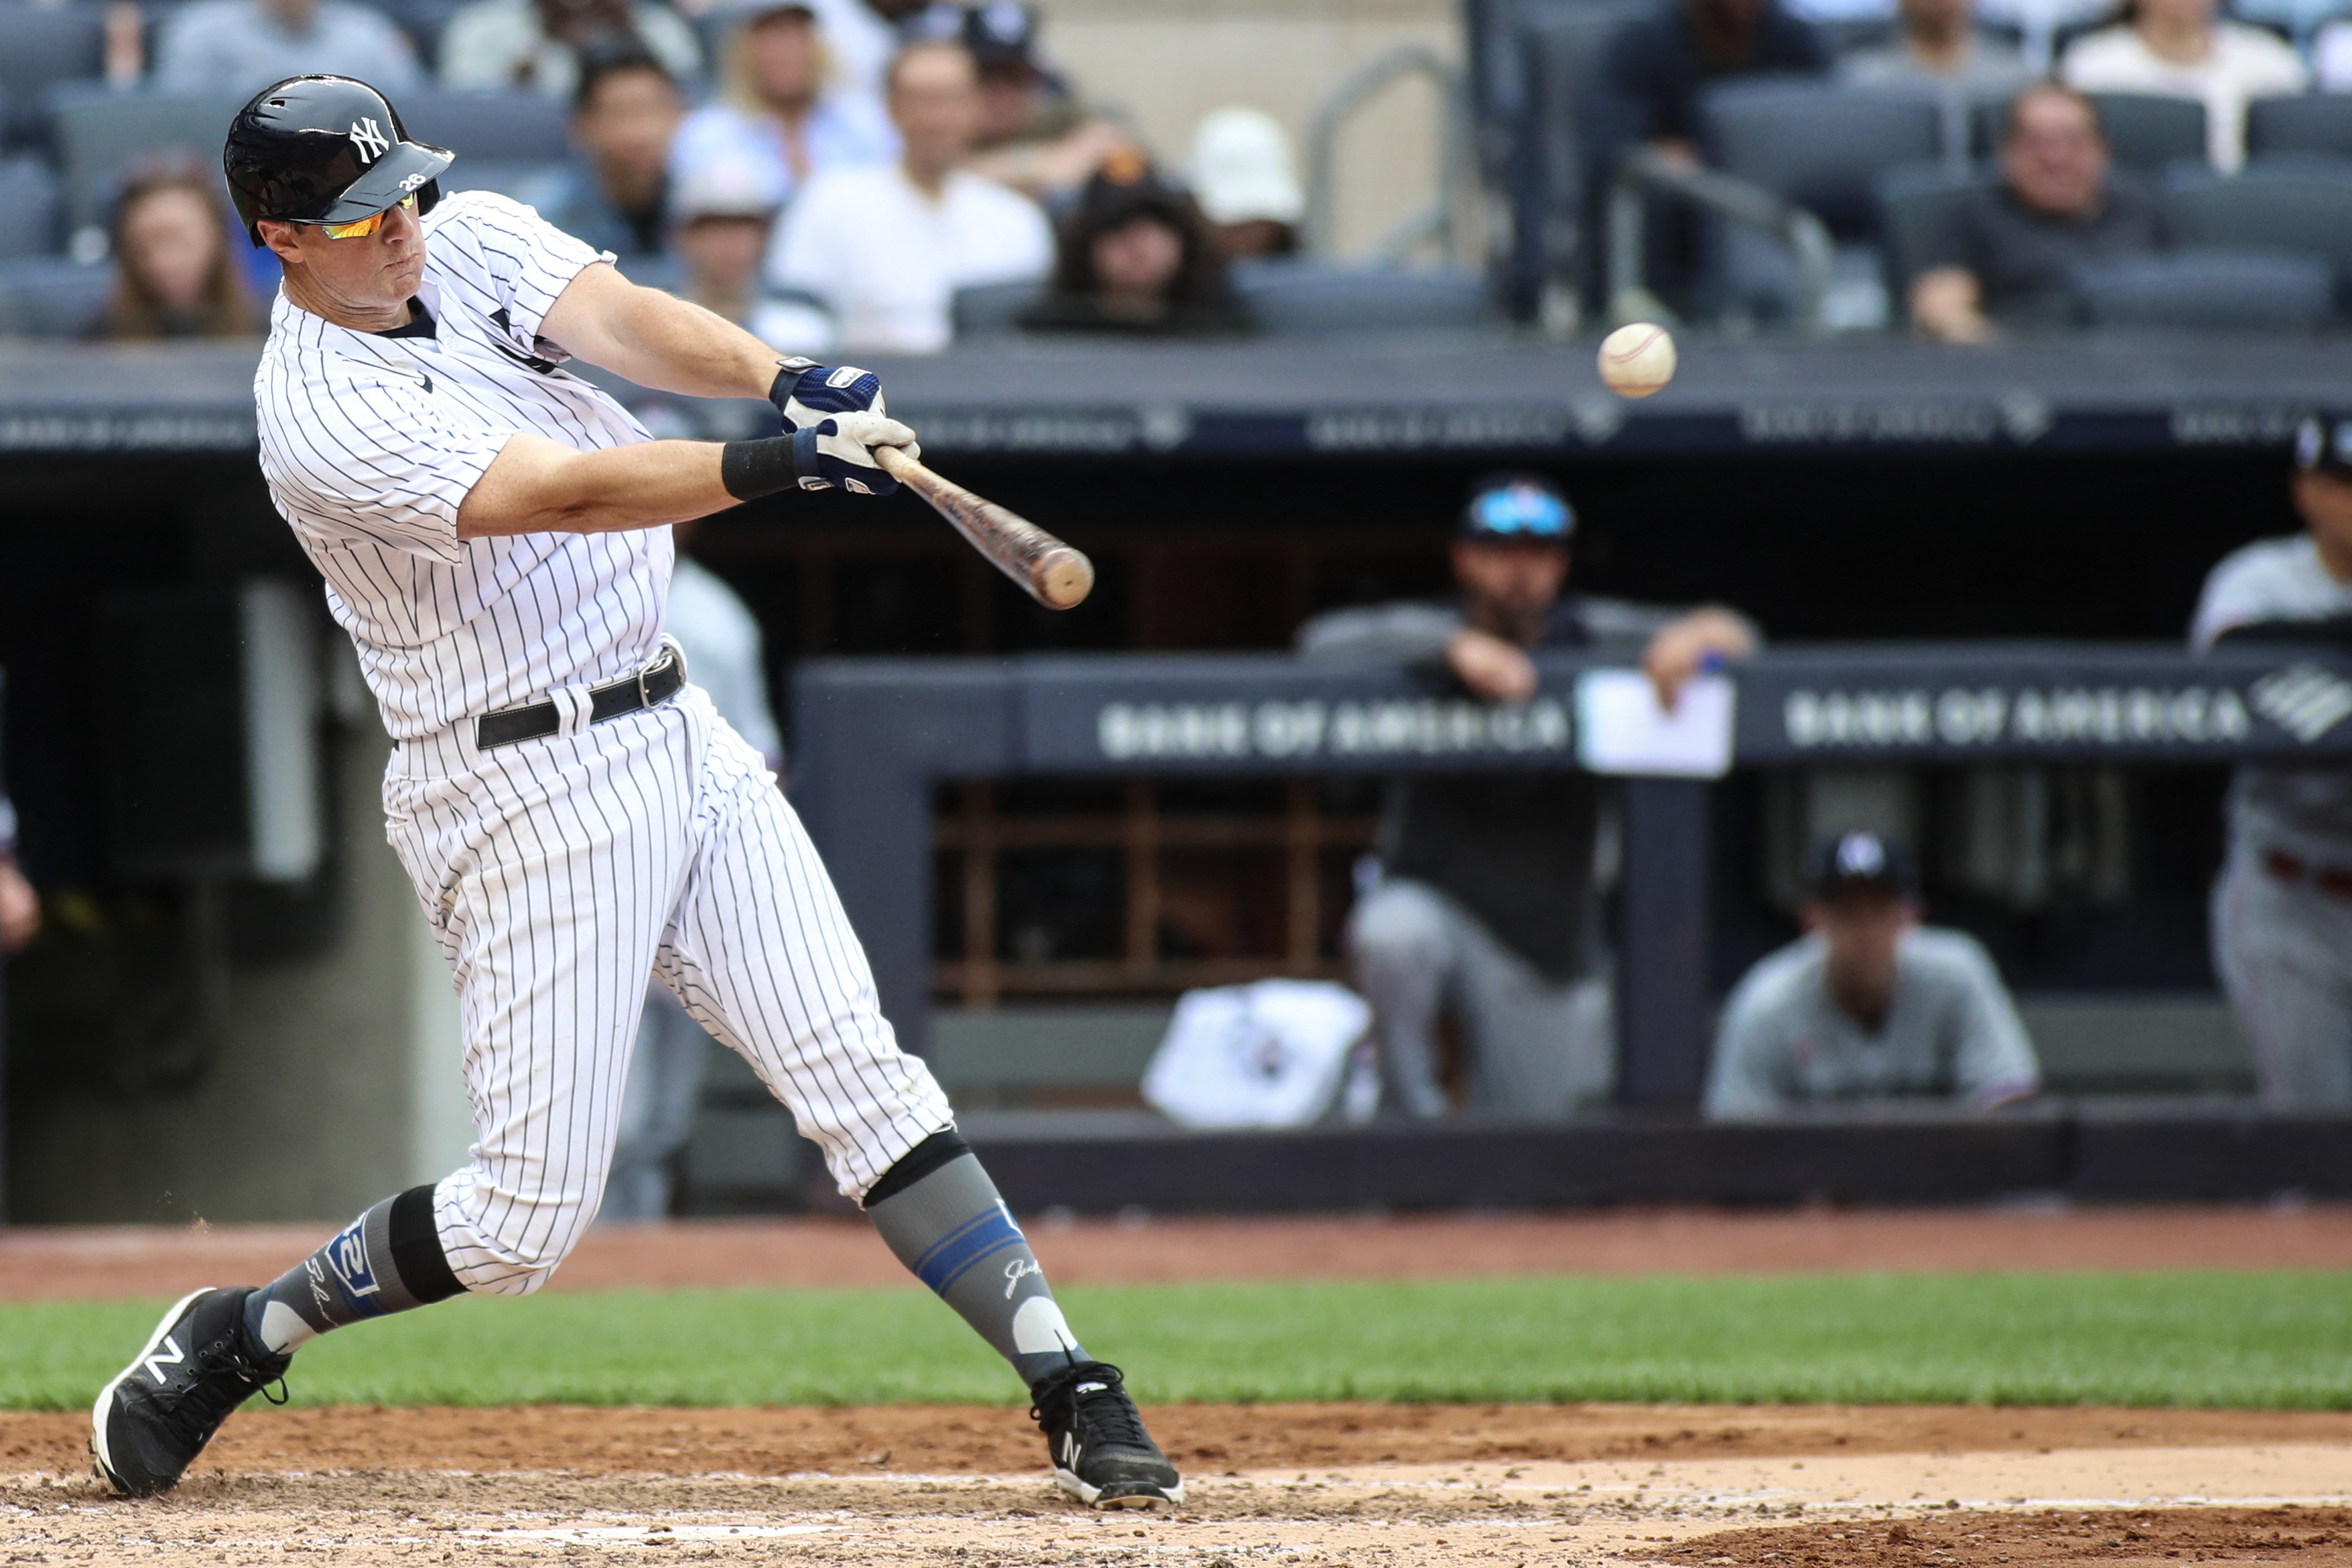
{"x": 1063, "y": 578}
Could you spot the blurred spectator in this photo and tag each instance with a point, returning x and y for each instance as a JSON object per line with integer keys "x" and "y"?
{"x": 863, "y": 35}
{"x": 1941, "y": 51}
{"x": 234, "y": 48}
{"x": 1034, "y": 135}
{"x": 623, "y": 117}
{"x": 2331, "y": 57}
{"x": 1246, "y": 181}
{"x": 2009, "y": 253}
{"x": 1486, "y": 893}
{"x": 878, "y": 252}
{"x": 721, "y": 216}
{"x": 174, "y": 274}
{"x": 20, "y": 906}
{"x": 722, "y": 640}
{"x": 1135, "y": 256}
{"x": 1664, "y": 60}
{"x": 2180, "y": 49}
{"x": 2283, "y": 907}
{"x": 780, "y": 113}
{"x": 1869, "y": 1005}
{"x": 492, "y": 45}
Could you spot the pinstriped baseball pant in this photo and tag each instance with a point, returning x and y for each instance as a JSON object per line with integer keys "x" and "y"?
{"x": 557, "y": 873}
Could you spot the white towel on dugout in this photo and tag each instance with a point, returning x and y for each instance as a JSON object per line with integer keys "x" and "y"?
{"x": 1268, "y": 1055}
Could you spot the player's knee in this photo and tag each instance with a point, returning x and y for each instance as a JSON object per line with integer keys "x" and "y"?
{"x": 521, "y": 1250}
{"x": 1397, "y": 926}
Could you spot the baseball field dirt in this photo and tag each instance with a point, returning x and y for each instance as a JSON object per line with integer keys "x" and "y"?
{"x": 1925, "y": 1487}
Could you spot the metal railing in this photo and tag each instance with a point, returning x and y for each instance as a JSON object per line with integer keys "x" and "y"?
{"x": 1647, "y": 172}
{"x": 1438, "y": 221}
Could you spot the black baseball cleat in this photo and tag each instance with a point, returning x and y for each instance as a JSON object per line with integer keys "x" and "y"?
{"x": 1102, "y": 1455}
{"x": 156, "y": 1416}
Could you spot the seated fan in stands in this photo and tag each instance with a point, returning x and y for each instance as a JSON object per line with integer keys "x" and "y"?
{"x": 174, "y": 276}
{"x": 614, "y": 194}
{"x": 2179, "y": 49}
{"x": 1135, "y": 256}
{"x": 2005, "y": 260}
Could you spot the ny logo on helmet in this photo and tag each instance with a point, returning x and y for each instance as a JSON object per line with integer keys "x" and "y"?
{"x": 369, "y": 138}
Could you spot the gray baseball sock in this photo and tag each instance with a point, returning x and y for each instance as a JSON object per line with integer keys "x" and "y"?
{"x": 387, "y": 1261}
{"x": 942, "y": 1216}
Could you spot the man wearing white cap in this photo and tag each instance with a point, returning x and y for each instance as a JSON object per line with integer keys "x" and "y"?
{"x": 719, "y": 215}
{"x": 1244, "y": 176}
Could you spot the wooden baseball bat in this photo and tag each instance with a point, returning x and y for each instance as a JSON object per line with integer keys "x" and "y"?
{"x": 1054, "y": 573}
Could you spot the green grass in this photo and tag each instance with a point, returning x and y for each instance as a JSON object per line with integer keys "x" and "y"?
{"x": 2247, "y": 1339}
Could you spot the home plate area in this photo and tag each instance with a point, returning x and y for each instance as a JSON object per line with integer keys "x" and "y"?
{"x": 2280, "y": 1500}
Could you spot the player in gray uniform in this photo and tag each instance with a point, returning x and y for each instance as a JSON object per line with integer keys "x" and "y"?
{"x": 1869, "y": 1005}
{"x": 1486, "y": 893}
{"x": 2283, "y": 907}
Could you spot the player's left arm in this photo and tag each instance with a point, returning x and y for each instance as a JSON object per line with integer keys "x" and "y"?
{"x": 657, "y": 340}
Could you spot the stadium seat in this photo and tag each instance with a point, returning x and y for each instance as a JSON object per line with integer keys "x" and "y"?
{"x": 40, "y": 47}
{"x": 1822, "y": 147}
{"x": 2234, "y": 290}
{"x": 2315, "y": 123}
{"x": 1817, "y": 144}
{"x": 1918, "y": 207}
{"x": 991, "y": 310}
{"x": 502, "y": 127}
{"x": 1571, "y": 127}
{"x": 101, "y": 132}
{"x": 28, "y": 195}
{"x": 2297, "y": 207}
{"x": 2144, "y": 131}
{"x": 49, "y": 297}
{"x": 1312, "y": 299}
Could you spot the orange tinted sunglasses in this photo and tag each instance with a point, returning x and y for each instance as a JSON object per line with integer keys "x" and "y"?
{"x": 363, "y": 228}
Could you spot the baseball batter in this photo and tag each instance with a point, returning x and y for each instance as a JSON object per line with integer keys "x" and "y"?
{"x": 494, "y": 532}
{"x": 2282, "y": 923}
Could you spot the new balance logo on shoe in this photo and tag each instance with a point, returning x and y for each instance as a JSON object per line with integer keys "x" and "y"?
{"x": 170, "y": 1355}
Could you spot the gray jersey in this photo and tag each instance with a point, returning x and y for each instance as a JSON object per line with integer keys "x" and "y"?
{"x": 2306, "y": 812}
{"x": 1952, "y": 1033}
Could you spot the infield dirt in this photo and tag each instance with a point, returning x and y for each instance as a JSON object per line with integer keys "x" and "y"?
{"x": 1823, "y": 1486}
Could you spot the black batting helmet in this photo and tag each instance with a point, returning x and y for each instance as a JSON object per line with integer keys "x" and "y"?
{"x": 324, "y": 149}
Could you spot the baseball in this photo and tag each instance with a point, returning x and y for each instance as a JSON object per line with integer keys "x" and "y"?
{"x": 1637, "y": 360}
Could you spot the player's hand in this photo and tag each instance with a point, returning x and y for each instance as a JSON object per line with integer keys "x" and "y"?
{"x": 807, "y": 392}
{"x": 20, "y": 908}
{"x": 839, "y": 450}
{"x": 1491, "y": 668}
{"x": 1683, "y": 648}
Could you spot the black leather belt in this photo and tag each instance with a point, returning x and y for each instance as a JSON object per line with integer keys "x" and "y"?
{"x": 649, "y": 687}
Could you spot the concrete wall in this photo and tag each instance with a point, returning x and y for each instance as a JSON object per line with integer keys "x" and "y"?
{"x": 337, "y": 1081}
{"x": 1169, "y": 62}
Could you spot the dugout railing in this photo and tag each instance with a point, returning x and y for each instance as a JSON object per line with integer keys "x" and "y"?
{"x": 874, "y": 738}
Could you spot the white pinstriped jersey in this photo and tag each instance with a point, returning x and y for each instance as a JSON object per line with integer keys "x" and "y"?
{"x": 371, "y": 442}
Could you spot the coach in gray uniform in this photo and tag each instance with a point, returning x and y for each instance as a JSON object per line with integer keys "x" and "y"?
{"x": 1869, "y": 1005}
{"x": 1486, "y": 887}
{"x": 2283, "y": 907}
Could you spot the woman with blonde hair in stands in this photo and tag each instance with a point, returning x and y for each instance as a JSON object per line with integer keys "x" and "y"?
{"x": 174, "y": 274}
{"x": 783, "y": 113}
{"x": 2182, "y": 49}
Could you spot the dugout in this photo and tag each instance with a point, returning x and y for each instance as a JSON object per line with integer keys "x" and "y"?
{"x": 1837, "y": 492}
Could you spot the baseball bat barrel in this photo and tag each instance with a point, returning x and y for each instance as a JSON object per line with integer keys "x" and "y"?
{"x": 1054, "y": 574}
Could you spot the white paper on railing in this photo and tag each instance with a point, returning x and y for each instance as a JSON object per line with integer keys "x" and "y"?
{"x": 1621, "y": 729}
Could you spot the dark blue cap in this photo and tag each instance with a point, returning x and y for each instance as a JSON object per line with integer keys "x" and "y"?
{"x": 1519, "y": 507}
{"x": 1858, "y": 857}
